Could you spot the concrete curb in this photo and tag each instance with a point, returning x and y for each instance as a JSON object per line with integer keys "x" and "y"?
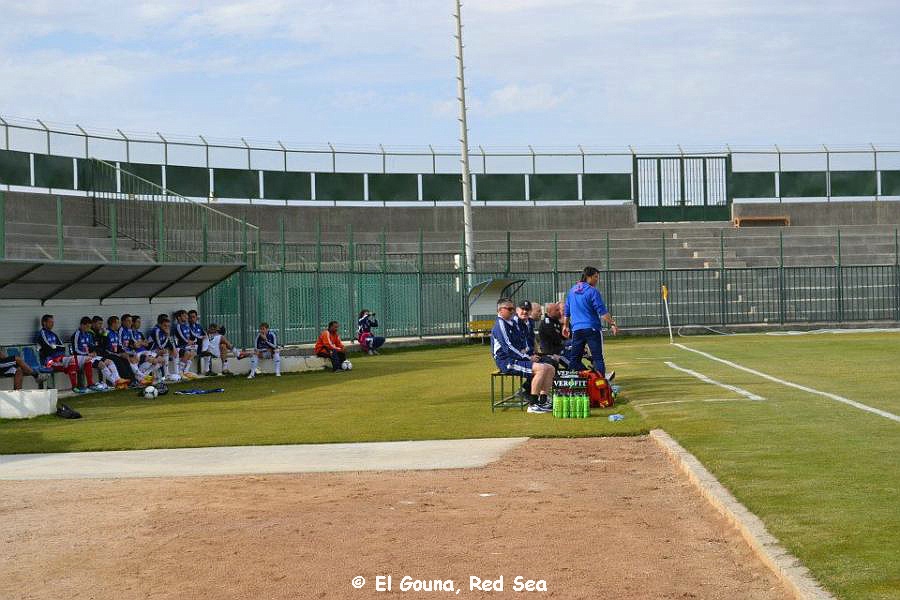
{"x": 786, "y": 566}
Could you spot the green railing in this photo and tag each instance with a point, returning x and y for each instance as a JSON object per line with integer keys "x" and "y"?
{"x": 672, "y": 183}
{"x": 298, "y": 304}
{"x": 166, "y": 226}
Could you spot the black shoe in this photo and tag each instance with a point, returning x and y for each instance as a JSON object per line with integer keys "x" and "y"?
{"x": 544, "y": 401}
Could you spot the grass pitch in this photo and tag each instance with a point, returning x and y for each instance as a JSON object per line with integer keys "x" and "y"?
{"x": 823, "y": 476}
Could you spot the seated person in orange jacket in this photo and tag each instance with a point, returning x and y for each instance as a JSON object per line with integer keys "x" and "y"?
{"x": 329, "y": 346}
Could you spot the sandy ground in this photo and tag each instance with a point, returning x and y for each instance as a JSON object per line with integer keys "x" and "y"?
{"x": 593, "y": 518}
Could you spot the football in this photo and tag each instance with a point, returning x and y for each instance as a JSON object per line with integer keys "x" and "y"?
{"x": 150, "y": 392}
{"x": 347, "y": 365}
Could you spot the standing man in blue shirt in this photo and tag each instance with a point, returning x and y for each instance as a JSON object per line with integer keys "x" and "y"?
{"x": 584, "y": 313}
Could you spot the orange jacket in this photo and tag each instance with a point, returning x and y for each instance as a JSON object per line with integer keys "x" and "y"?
{"x": 326, "y": 343}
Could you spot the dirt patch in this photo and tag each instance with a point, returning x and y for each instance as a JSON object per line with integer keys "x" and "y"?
{"x": 593, "y": 518}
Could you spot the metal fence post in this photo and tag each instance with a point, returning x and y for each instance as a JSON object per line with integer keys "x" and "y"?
{"x": 723, "y": 288}
{"x": 663, "y": 237}
{"x": 462, "y": 285}
{"x": 2, "y": 224}
{"x": 256, "y": 251}
{"x": 782, "y": 300}
{"x": 351, "y": 249}
{"x": 60, "y": 244}
{"x": 555, "y": 264}
{"x": 385, "y": 306}
{"x": 283, "y": 302}
{"x": 160, "y": 234}
{"x": 352, "y": 280}
{"x": 205, "y": 235}
{"x": 897, "y": 274}
{"x": 318, "y": 245}
{"x": 419, "y": 282}
{"x": 508, "y": 252}
{"x": 242, "y": 304}
{"x": 608, "y": 254}
{"x": 244, "y": 239}
{"x": 840, "y": 280}
{"x": 114, "y": 230}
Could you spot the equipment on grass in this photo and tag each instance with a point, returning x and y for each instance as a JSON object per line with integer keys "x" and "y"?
{"x": 162, "y": 389}
{"x": 598, "y": 389}
{"x": 570, "y": 396}
{"x": 347, "y": 365}
{"x": 65, "y": 412}
{"x": 199, "y": 392}
{"x": 150, "y": 392}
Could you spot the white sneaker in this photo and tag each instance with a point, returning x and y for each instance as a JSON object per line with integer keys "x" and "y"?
{"x": 538, "y": 408}
{"x": 251, "y": 375}
{"x": 277, "y": 374}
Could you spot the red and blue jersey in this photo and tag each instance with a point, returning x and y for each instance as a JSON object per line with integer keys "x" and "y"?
{"x": 112, "y": 341}
{"x": 49, "y": 345}
{"x": 83, "y": 343}
{"x": 365, "y": 325}
{"x": 136, "y": 336}
{"x": 126, "y": 339}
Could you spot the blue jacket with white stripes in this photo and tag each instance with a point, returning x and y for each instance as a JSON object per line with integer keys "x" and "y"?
{"x": 270, "y": 342}
{"x": 526, "y": 330}
{"x": 508, "y": 342}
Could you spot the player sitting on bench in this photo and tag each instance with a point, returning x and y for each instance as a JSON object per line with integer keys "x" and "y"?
{"x": 53, "y": 353}
{"x": 215, "y": 345}
{"x": 266, "y": 347}
{"x": 15, "y": 367}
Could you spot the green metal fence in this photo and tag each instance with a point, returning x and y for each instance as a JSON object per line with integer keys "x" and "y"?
{"x": 168, "y": 226}
{"x": 299, "y": 304}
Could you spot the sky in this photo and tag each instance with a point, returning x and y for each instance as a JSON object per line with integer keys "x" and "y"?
{"x": 546, "y": 73}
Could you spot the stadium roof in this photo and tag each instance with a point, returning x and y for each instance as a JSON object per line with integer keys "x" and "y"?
{"x": 35, "y": 280}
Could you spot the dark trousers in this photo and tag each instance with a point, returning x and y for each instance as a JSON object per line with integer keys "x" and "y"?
{"x": 594, "y": 340}
{"x": 122, "y": 365}
{"x": 336, "y": 357}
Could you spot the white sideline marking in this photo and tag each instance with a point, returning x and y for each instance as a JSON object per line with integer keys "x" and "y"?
{"x": 704, "y": 378}
{"x": 848, "y": 401}
{"x": 691, "y": 400}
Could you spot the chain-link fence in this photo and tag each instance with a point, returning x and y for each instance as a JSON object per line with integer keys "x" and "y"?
{"x": 299, "y": 304}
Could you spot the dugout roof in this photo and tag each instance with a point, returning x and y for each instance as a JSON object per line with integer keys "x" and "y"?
{"x": 36, "y": 280}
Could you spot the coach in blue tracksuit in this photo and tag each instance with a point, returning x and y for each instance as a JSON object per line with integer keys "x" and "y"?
{"x": 585, "y": 311}
{"x": 510, "y": 351}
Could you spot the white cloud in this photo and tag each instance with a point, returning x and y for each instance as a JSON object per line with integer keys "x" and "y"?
{"x": 516, "y": 98}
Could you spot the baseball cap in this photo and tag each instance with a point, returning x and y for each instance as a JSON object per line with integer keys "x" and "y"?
{"x": 525, "y": 305}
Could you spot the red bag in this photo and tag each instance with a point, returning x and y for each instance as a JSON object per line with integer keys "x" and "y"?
{"x": 598, "y": 389}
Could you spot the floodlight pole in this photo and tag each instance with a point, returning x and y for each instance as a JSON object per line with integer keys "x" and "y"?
{"x": 469, "y": 240}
